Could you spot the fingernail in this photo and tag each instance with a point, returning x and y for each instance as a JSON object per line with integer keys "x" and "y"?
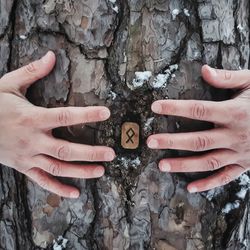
{"x": 153, "y": 144}
{"x": 105, "y": 114}
{"x": 74, "y": 194}
{"x": 165, "y": 167}
{"x": 99, "y": 172}
{"x": 192, "y": 190}
{"x": 156, "y": 107}
{"x": 46, "y": 58}
{"x": 212, "y": 72}
{"x": 109, "y": 156}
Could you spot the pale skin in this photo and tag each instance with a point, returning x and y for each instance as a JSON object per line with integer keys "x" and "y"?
{"x": 228, "y": 144}
{"x": 26, "y": 140}
{"x": 27, "y": 144}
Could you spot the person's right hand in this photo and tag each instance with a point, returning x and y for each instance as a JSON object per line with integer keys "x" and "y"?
{"x": 26, "y": 140}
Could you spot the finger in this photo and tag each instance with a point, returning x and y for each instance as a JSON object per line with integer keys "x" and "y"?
{"x": 227, "y": 79}
{"x": 216, "y": 112}
{"x": 51, "y": 184}
{"x": 67, "y": 116}
{"x": 22, "y": 78}
{"x": 63, "y": 169}
{"x": 223, "y": 177}
{"x": 67, "y": 151}
{"x": 195, "y": 141}
{"x": 208, "y": 162}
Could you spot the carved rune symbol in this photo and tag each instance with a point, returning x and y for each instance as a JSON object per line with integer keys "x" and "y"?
{"x": 130, "y": 133}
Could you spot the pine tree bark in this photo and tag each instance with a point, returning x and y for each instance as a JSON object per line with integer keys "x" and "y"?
{"x": 100, "y": 44}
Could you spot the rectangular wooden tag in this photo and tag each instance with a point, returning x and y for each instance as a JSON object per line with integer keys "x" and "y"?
{"x": 130, "y": 138}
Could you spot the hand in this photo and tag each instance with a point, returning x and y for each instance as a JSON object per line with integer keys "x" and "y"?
{"x": 228, "y": 144}
{"x": 26, "y": 141}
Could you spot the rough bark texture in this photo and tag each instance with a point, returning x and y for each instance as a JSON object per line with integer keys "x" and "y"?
{"x": 100, "y": 44}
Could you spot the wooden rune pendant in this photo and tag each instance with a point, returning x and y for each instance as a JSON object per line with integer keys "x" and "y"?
{"x": 130, "y": 135}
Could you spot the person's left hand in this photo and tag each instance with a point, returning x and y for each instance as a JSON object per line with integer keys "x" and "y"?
{"x": 227, "y": 145}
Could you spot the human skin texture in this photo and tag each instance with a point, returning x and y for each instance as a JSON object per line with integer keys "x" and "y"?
{"x": 26, "y": 140}
{"x": 226, "y": 147}
{"x": 32, "y": 150}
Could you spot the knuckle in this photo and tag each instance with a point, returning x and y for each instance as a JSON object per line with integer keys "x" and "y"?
{"x": 64, "y": 117}
{"x": 63, "y": 152}
{"x": 243, "y": 137}
{"x": 55, "y": 168}
{"x": 239, "y": 115}
{"x": 169, "y": 143}
{"x": 213, "y": 164}
{"x": 42, "y": 180}
{"x": 30, "y": 68}
{"x": 227, "y": 75}
{"x": 93, "y": 155}
{"x": 25, "y": 119}
{"x": 23, "y": 143}
{"x": 202, "y": 143}
{"x": 225, "y": 179}
{"x": 88, "y": 117}
{"x": 198, "y": 111}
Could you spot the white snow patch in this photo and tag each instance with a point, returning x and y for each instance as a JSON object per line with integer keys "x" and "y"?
{"x": 136, "y": 162}
{"x": 213, "y": 193}
{"x": 242, "y": 193}
{"x": 60, "y": 243}
{"x": 126, "y": 162}
{"x": 177, "y": 125}
{"x": 126, "y": 232}
{"x": 141, "y": 78}
{"x": 113, "y": 95}
{"x": 161, "y": 80}
{"x": 240, "y": 27}
{"x": 173, "y": 67}
{"x": 175, "y": 13}
{"x": 147, "y": 125}
{"x": 114, "y": 7}
{"x": 245, "y": 243}
{"x": 230, "y": 206}
{"x": 244, "y": 180}
{"x": 245, "y": 186}
{"x": 23, "y": 37}
{"x": 186, "y": 12}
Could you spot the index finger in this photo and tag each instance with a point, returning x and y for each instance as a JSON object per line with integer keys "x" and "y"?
{"x": 26, "y": 75}
{"x": 227, "y": 79}
{"x": 67, "y": 116}
{"x": 216, "y": 112}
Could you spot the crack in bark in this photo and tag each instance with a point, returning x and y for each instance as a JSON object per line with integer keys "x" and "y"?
{"x": 90, "y": 235}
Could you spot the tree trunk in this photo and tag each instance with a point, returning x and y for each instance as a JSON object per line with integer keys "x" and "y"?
{"x": 100, "y": 45}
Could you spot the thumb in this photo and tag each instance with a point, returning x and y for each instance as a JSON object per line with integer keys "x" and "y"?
{"x": 22, "y": 78}
{"x": 226, "y": 79}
